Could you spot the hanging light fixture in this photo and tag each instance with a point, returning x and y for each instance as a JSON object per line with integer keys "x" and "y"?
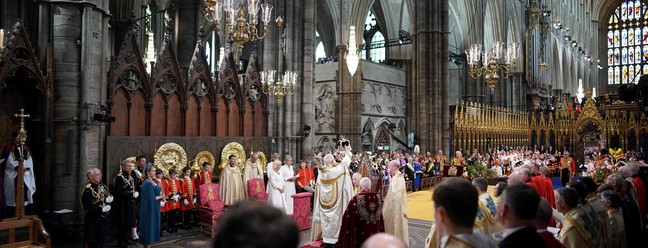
{"x": 279, "y": 82}
{"x": 352, "y": 58}
{"x": 240, "y": 22}
{"x": 492, "y": 62}
{"x": 580, "y": 92}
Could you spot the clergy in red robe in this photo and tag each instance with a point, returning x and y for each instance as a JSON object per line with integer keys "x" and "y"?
{"x": 362, "y": 218}
{"x": 641, "y": 190}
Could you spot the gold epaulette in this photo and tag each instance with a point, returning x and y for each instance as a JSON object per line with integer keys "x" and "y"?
{"x": 88, "y": 186}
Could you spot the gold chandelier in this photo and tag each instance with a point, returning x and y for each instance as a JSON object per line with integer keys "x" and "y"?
{"x": 492, "y": 63}
{"x": 240, "y": 22}
{"x": 272, "y": 82}
{"x": 279, "y": 82}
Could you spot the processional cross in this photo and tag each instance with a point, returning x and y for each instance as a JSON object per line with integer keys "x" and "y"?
{"x": 20, "y": 188}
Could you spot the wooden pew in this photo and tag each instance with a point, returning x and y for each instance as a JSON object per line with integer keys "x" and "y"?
{"x": 34, "y": 227}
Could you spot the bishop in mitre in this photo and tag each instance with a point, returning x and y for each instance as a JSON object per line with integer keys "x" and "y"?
{"x": 332, "y": 195}
{"x": 253, "y": 169}
{"x": 231, "y": 182}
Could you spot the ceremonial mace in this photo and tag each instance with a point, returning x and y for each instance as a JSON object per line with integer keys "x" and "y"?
{"x": 20, "y": 188}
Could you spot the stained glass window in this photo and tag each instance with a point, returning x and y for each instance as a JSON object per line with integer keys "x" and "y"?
{"x": 627, "y": 42}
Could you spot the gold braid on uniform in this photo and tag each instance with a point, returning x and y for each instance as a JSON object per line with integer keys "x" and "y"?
{"x": 97, "y": 196}
{"x": 128, "y": 182}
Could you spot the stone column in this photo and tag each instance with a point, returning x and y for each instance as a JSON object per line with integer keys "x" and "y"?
{"x": 430, "y": 116}
{"x": 184, "y": 33}
{"x": 79, "y": 57}
{"x": 269, "y": 61}
{"x": 307, "y": 108}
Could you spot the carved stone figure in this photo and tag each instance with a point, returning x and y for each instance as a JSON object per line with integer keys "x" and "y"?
{"x": 325, "y": 110}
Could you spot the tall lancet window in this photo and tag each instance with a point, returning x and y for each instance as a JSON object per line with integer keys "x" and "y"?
{"x": 374, "y": 40}
{"x": 627, "y": 42}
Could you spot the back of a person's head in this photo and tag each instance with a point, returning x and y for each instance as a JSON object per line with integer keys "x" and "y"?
{"x": 544, "y": 214}
{"x": 499, "y": 188}
{"x": 459, "y": 199}
{"x": 255, "y": 224}
{"x": 383, "y": 240}
{"x": 480, "y": 183}
{"x": 522, "y": 201}
{"x": 568, "y": 195}
{"x": 580, "y": 188}
{"x": 604, "y": 187}
{"x": 590, "y": 184}
{"x": 611, "y": 198}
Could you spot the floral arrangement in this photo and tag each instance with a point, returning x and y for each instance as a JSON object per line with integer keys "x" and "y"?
{"x": 600, "y": 173}
{"x": 477, "y": 169}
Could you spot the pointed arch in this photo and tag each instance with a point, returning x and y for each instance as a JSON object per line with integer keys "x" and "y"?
{"x": 367, "y": 137}
{"x": 327, "y": 25}
{"x": 166, "y": 76}
{"x": 325, "y": 144}
{"x": 557, "y": 61}
{"x": 20, "y": 56}
{"x": 128, "y": 70}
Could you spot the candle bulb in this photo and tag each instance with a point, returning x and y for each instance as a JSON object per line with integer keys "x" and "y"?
{"x": 1, "y": 39}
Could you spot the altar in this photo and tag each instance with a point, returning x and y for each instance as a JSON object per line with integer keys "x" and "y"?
{"x": 453, "y": 171}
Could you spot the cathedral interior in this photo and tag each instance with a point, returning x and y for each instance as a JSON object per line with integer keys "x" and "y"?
{"x": 105, "y": 80}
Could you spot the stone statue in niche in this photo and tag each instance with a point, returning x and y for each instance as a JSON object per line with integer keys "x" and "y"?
{"x": 199, "y": 87}
{"x": 254, "y": 93}
{"x": 228, "y": 91}
{"x": 167, "y": 84}
{"x": 130, "y": 80}
{"x": 366, "y": 138}
{"x": 325, "y": 110}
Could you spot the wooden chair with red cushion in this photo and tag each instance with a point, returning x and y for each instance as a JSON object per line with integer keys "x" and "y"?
{"x": 210, "y": 209}
{"x": 256, "y": 189}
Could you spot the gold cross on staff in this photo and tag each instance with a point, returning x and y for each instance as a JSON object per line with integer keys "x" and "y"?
{"x": 22, "y": 117}
{"x": 22, "y": 133}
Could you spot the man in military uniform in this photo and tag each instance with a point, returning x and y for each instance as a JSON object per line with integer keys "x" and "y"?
{"x": 125, "y": 204}
{"x": 439, "y": 162}
{"x": 96, "y": 200}
{"x": 567, "y": 169}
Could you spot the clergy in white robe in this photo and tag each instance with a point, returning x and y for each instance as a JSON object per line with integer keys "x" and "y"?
{"x": 395, "y": 206}
{"x": 276, "y": 189}
{"x": 253, "y": 169}
{"x": 332, "y": 195}
{"x": 11, "y": 154}
{"x": 231, "y": 183}
{"x": 288, "y": 174}
{"x": 274, "y": 157}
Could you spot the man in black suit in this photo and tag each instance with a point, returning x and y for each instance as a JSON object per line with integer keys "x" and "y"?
{"x": 516, "y": 212}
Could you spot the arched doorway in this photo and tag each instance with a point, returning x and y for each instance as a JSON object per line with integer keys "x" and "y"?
{"x": 382, "y": 142}
{"x": 588, "y": 141}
